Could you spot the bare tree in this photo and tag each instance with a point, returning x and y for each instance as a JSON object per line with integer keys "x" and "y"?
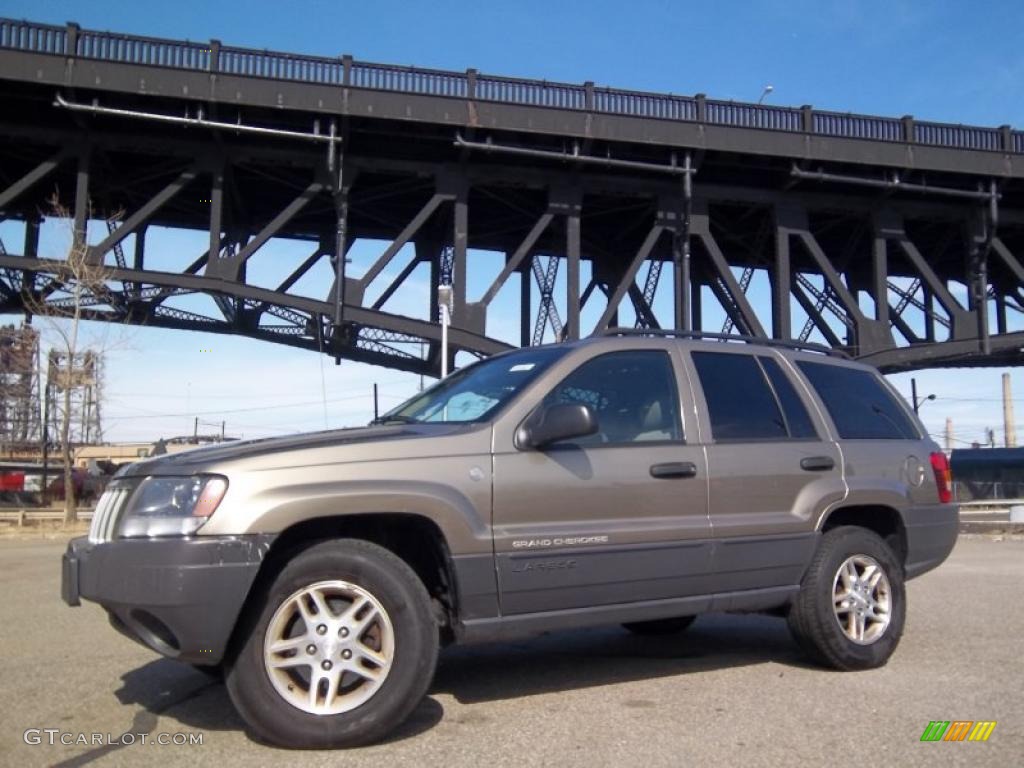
{"x": 77, "y": 277}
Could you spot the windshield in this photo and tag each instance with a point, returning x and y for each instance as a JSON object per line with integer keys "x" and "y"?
{"x": 476, "y": 392}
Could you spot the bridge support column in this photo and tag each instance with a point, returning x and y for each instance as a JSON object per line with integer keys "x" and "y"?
{"x": 460, "y": 241}
{"x": 31, "y": 252}
{"x": 525, "y": 300}
{"x": 216, "y": 211}
{"x": 696, "y": 308}
{"x": 81, "y": 212}
{"x": 572, "y": 268}
{"x": 780, "y": 282}
{"x": 880, "y": 276}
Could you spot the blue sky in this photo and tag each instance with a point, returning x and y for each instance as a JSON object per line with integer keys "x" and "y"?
{"x": 950, "y": 61}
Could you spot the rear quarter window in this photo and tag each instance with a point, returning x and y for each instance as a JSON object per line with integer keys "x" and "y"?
{"x": 860, "y": 405}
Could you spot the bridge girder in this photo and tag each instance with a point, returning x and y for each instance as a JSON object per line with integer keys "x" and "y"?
{"x": 898, "y": 275}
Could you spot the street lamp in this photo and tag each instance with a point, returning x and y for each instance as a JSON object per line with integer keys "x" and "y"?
{"x": 767, "y": 89}
{"x": 918, "y": 402}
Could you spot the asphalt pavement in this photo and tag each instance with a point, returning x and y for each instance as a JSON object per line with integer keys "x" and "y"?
{"x": 733, "y": 691}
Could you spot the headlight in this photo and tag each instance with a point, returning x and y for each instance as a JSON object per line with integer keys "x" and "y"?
{"x": 172, "y": 506}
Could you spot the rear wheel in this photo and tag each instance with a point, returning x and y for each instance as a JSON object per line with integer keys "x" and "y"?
{"x": 852, "y": 604}
{"x": 341, "y": 651}
{"x": 671, "y": 626}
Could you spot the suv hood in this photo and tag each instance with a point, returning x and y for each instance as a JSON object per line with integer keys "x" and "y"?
{"x": 384, "y": 442}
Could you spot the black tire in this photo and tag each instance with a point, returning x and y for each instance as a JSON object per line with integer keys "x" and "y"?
{"x": 671, "y": 626}
{"x": 402, "y": 596}
{"x": 812, "y": 618}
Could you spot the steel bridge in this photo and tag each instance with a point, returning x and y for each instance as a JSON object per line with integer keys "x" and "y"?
{"x": 897, "y": 240}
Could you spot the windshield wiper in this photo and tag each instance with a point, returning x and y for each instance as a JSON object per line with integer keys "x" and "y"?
{"x": 395, "y": 419}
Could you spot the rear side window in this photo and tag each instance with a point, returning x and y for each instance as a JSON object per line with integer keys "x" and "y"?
{"x": 797, "y": 419}
{"x": 741, "y": 405}
{"x": 860, "y": 405}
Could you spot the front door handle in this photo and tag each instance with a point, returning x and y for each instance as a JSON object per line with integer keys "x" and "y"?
{"x": 674, "y": 469}
{"x": 817, "y": 463}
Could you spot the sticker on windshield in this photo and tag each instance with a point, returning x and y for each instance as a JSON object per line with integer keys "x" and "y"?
{"x": 521, "y": 367}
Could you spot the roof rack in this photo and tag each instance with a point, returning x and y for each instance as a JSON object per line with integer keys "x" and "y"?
{"x": 802, "y": 346}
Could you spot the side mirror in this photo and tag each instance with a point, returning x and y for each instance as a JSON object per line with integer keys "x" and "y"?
{"x": 553, "y": 423}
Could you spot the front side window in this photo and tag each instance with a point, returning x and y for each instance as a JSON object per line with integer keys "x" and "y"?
{"x": 476, "y": 392}
{"x": 633, "y": 395}
{"x": 859, "y": 403}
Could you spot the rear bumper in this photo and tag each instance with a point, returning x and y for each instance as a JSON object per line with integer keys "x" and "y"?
{"x": 180, "y": 597}
{"x": 931, "y": 535}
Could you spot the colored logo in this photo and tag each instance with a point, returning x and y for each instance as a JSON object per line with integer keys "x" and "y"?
{"x": 958, "y": 730}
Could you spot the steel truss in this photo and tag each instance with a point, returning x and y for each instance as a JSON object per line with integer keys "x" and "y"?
{"x": 827, "y": 255}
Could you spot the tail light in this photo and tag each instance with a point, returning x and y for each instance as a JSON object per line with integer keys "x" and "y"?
{"x": 943, "y": 476}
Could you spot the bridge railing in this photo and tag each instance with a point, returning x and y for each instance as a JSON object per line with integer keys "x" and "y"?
{"x": 639, "y": 104}
{"x": 536, "y": 93}
{"x": 858, "y": 126}
{"x": 279, "y": 66}
{"x": 70, "y": 40}
{"x": 960, "y": 136}
{"x": 389, "y": 77}
{"x": 132, "y": 49}
{"x": 743, "y": 115}
{"x": 25, "y": 36}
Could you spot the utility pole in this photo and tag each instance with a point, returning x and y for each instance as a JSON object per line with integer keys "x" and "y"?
{"x": 376, "y": 411}
{"x": 1008, "y": 429}
{"x": 949, "y": 434}
{"x": 195, "y": 432}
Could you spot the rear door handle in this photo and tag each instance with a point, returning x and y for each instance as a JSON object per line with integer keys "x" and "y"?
{"x": 817, "y": 463}
{"x": 674, "y": 469}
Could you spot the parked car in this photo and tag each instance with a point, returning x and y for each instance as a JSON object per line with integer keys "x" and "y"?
{"x": 87, "y": 487}
{"x": 628, "y": 479}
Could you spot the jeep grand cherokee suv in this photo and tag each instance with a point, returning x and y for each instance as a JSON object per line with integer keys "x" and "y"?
{"x": 633, "y": 479}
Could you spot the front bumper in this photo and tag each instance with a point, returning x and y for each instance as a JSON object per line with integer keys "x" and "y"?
{"x": 931, "y": 534}
{"x": 181, "y": 596}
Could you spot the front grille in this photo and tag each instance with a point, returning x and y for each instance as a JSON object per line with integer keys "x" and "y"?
{"x": 108, "y": 510}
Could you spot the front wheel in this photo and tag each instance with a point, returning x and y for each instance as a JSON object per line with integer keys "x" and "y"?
{"x": 341, "y": 651}
{"x": 852, "y": 603}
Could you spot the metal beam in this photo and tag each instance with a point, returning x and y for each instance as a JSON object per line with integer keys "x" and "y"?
{"x": 629, "y": 276}
{"x": 31, "y": 178}
{"x": 274, "y": 225}
{"x": 512, "y": 264}
{"x": 572, "y": 271}
{"x": 460, "y": 243}
{"x": 397, "y": 282}
{"x": 935, "y": 285}
{"x": 82, "y": 207}
{"x": 702, "y": 230}
{"x": 815, "y": 316}
{"x": 781, "y": 279}
{"x": 403, "y": 237}
{"x": 133, "y": 222}
{"x": 1008, "y": 259}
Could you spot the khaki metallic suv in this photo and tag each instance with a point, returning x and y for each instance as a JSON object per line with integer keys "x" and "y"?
{"x": 634, "y": 479}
